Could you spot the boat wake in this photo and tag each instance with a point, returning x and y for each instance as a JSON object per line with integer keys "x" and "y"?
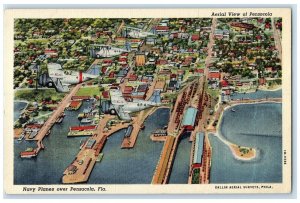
{"x": 262, "y": 135}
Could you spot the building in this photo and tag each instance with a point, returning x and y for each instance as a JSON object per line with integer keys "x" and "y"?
{"x": 162, "y": 29}
{"x": 122, "y": 73}
{"x": 51, "y": 53}
{"x": 199, "y": 71}
{"x": 120, "y": 41}
{"x": 142, "y": 88}
{"x": 80, "y": 98}
{"x": 195, "y": 37}
{"x": 127, "y": 91}
{"x": 150, "y": 41}
{"x": 140, "y": 59}
{"x": 198, "y": 150}
{"x": 132, "y": 77}
{"x": 241, "y": 26}
{"x": 82, "y": 128}
{"x": 74, "y": 105}
{"x": 214, "y": 75}
{"x": 138, "y": 95}
{"x": 173, "y": 85}
{"x": 155, "y": 97}
{"x": 189, "y": 118}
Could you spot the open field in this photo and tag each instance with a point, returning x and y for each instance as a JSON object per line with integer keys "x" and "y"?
{"x": 38, "y": 95}
{"x": 88, "y": 91}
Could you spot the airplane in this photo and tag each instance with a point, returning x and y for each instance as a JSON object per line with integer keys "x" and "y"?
{"x": 61, "y": 79}
{"x": 138, "y": 33}
{"x": 109, "y": 51}
{"x": 123, "y": 108}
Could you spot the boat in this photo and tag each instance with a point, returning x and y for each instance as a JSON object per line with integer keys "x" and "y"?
{"x": 86, "y": 120}
{"x": 233, "y": 110}
{"x": 48, "y": 133}
{"x": 21, "y": 137}
{"x": 82, "y": 143}
{"x": 128, "y": 131}
{"x": 100, "y": 157}
{"x": 60, "y": 118}
{"x": 142, "y": 127}
{"x": 81, "y": 116}
{"x": 29, "y": 149}
{"x": 28, "y": 153}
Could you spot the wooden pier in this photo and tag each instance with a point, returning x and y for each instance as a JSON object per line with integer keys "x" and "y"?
{"x": 81, "y": 171}
{"x": 42, "y": 133}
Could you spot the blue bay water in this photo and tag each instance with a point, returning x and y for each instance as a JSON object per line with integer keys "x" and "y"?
{"x": 49, "y": 165}
{"x": 136, "y": 165}
{"x": 131, "y": 166}
{"x": 181, "y": 165}
{"x": 18, "y": 107}
{"x": 254, "y": 125}
{"x": 259, "y": 94}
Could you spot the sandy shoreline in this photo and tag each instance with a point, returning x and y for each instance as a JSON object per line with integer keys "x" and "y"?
{"x": 270, "y": 90}
{"x": 231, "y": 145}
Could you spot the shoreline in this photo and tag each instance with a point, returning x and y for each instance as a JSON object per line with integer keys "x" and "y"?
{"x": 231, "y": 145}
{"x": 24, "y": 101}
{"x": 270, "y": 90}
{"x": 21, "y": 101}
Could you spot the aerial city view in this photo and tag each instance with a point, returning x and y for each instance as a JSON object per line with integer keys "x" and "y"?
{"x": 147, "y": 101}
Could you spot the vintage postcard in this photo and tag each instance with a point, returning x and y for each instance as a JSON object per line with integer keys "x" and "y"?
{"x": 147, "y": 101}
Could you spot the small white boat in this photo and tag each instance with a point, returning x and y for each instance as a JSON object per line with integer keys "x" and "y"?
{"x": 233, "y": 110}
{"x": 21, "y": 137}
{"x": 86, "y": 120}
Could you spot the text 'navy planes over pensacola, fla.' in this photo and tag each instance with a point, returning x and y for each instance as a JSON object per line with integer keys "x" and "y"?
{"x": 61, "y": 79}
{"x": 123, "y": 108}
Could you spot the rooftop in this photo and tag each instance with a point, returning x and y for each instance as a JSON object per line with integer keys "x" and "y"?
{"x": 199, "y": 143}
{"x": 189, "y": 116}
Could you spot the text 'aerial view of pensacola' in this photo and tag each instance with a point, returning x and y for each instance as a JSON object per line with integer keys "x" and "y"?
{"x": 147, "y": 101}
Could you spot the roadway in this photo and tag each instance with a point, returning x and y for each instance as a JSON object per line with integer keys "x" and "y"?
{"x": 277, "y": 39}
{"x": 210, "y": 46}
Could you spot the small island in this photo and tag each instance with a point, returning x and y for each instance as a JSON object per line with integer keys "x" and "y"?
{"x": 242, "y": 153}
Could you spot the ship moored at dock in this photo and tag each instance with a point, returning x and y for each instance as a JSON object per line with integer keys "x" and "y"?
{"x": 28, "y": 153}
{"x": 60, "y": 118}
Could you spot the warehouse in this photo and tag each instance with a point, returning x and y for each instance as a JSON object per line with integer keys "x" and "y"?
{"x": 198, "y": 148}
{"x": 189, "y": 118}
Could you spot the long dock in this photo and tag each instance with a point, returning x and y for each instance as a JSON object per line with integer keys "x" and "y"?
{"x": 160, "y": 174}
{"x": 138, "y": 121}
{"x": 129, "y": 142}
{"x": 82, "y": 172}
{"x": 174, "y": 131}
{"x": 54, "y": 116}
{"x": 158, "y": 138}
{"x": 204, "y": 173}
{"x": 191, "y": 95}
